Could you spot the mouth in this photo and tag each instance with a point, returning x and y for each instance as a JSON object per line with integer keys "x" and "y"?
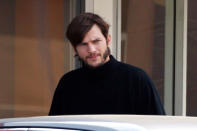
{"x": 92, "y": 57}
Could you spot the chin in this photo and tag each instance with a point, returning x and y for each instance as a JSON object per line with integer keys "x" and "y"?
{"x": 95, "y": 65}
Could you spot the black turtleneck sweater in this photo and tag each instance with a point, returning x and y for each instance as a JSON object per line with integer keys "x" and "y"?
{"x": 113, "y": 88}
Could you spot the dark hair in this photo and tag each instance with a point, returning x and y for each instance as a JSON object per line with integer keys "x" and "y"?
{"x": 81, "y": 24}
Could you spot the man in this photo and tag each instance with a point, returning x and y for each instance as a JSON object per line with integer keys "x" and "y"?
{"x": 103, "y": 85}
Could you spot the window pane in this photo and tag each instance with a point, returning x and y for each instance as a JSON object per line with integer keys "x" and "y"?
{"x": 143, "y": 25}
{"x": 191, "y": 59}
{"x": 33, "y": 55}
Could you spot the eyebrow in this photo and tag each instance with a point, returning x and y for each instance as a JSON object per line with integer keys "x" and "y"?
{"x": 91, "y": 40}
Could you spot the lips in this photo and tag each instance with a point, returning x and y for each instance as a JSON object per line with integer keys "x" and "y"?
{"x": 92, "y": 56}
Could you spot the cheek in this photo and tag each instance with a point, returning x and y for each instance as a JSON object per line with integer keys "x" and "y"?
{"x": 103, "y": 48}
{"x": 81, "y": 52}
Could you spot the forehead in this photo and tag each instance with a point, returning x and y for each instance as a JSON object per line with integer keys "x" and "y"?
{"x": 93, "y": 33}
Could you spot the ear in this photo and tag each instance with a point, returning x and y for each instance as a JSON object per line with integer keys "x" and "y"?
{"x": 108, "y": 39}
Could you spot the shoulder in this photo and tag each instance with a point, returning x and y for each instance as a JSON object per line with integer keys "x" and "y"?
{"x": 130, "y": 69}
{"x": 138, "y": 78}
{"x": 135, "y": 73}
{"x": 72, "y": 73}
{"x": 71, "y": 76}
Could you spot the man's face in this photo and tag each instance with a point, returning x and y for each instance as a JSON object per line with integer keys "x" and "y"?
{"x": 93, "y": 50}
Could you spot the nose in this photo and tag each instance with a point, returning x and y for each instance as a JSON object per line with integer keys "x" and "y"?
{"x": 91, "y": 48}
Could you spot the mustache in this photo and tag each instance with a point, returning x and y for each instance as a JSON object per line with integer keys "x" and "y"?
{"x": 93, "y": 54}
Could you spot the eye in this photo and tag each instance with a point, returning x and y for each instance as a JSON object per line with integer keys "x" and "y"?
{"x": 83, "y": 44}
{"x": 96, "y": 41}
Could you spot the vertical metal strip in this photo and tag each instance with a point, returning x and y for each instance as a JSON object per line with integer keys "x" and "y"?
{"x": 169, "y": 57}
{"x": 118, "y": 32}
{"x": 181, "y": 57}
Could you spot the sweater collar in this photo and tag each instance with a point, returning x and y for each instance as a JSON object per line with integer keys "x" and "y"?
{"x": 103, "y": 69}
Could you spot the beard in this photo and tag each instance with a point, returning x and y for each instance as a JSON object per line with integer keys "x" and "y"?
{"x": 84, "y": 62}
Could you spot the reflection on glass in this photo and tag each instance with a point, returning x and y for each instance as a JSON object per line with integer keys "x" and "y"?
{"x": 32, "y": 51}
{"x": 191, "y": 59}
{"x": 143, "y": 37}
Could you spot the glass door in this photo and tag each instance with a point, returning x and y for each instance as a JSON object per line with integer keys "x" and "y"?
{"x": 33, "y": 54}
